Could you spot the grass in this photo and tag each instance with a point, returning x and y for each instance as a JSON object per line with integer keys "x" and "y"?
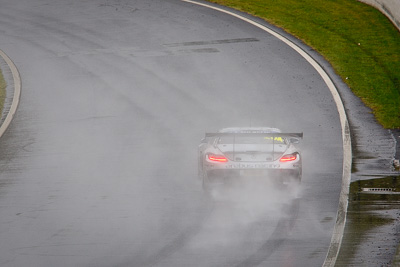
{"x": 361, "y": 44}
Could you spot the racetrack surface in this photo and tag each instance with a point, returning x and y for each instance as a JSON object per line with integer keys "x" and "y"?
{"x": 99, "y": 166}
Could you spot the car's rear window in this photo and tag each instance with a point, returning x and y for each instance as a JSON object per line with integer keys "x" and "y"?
{"x": 259, "y": 139}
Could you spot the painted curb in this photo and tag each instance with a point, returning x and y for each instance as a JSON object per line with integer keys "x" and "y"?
{"x": 17, "y": 93}
{"x": 338, "y": 230}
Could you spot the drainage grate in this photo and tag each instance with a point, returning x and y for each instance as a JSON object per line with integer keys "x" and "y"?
{"x": 380, "y": 190}
{"x": 377, "y": 189}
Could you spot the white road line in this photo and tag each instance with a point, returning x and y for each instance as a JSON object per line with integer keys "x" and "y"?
{"x": 17, "y": 93}
{"x": 347, "y": 153}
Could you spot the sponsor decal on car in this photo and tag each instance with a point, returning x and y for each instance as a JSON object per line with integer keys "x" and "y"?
{"x": 253, "y": 166}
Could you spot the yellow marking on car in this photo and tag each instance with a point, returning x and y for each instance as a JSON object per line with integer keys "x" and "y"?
{"x": 276, "y": 138}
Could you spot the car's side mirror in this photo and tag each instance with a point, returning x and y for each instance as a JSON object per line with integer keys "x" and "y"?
{"x": 294, "y": 140}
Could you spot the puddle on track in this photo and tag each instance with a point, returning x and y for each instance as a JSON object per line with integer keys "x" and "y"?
{"x": 372, "y": 232}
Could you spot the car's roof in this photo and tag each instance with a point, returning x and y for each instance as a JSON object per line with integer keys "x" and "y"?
{"x": 250, "y": 130}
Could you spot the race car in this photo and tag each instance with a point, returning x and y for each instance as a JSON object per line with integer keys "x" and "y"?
{"x": 246, "y": 153}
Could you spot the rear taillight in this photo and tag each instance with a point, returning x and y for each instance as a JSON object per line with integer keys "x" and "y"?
{"x": 217, "y": 158}
{"x": 289, "y": 157}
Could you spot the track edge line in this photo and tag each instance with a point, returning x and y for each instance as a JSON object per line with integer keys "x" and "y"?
{"x": 17, "y": 93}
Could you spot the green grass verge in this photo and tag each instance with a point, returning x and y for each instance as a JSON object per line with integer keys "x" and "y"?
{"x": 2, "y": 92}
{"x": 361, "y": 44}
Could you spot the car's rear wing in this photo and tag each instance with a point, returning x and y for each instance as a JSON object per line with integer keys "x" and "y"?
{"x": 291, "y": 137}
{"x": 294, "y": 138}
{"x": 285, "y": 135}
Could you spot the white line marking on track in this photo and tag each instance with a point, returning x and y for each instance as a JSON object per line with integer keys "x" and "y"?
{"x": 17, "y": 93}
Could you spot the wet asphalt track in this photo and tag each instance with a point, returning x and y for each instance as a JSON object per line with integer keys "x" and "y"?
{"x": 99, "y": 166}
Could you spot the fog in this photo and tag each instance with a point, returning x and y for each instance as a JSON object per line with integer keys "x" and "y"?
{"x": 103, "y": 150}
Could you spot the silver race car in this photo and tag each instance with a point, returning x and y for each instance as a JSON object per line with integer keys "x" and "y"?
{"x": 246, "y": 153}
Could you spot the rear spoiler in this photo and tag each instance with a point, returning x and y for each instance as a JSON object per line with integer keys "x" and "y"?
{"x": 286, "y": 135}
{"x": 273, "y": 136}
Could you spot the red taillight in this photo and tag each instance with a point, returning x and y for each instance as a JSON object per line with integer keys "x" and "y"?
{"x": 217, "y": 158}
{"x": 289, "y": 157}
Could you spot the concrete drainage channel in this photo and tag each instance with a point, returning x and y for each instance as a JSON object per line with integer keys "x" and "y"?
{"x": 372, "y": 232}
